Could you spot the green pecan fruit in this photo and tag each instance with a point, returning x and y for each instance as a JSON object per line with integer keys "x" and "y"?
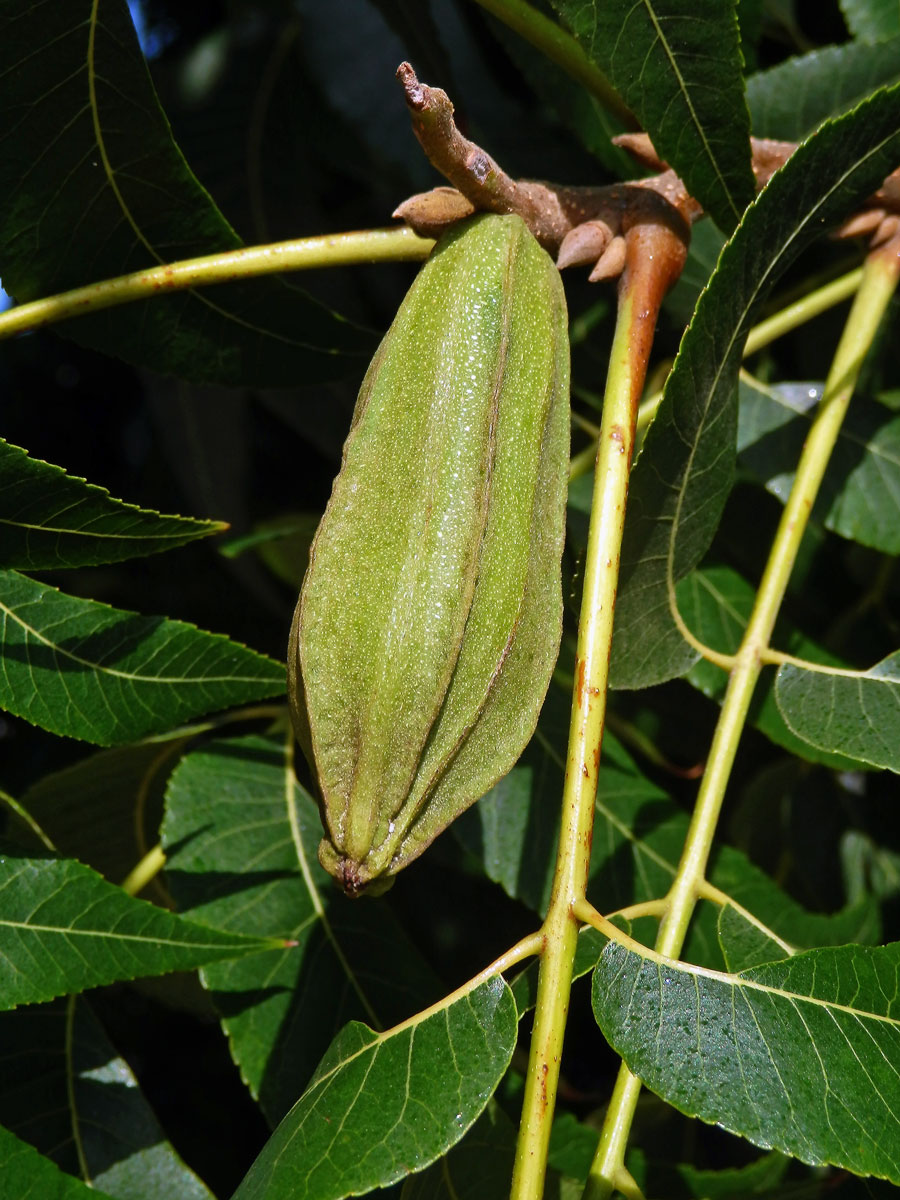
{"x": 430, "y": 616}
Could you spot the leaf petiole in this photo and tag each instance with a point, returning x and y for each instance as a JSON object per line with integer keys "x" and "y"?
{"x": 145, "y": 871}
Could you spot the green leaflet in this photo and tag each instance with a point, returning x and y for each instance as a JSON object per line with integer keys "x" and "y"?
{"x": 429, "y": 621}
{"x": 82, "y": 669}
{"x": 382, "y": 1106}
{"x": 49, "y": 519}
{"x": 799, "y": 1055}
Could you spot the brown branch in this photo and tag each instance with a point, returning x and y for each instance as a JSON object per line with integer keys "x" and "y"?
{"x": 588, "y": 225}
{"x": 578, "y": 224}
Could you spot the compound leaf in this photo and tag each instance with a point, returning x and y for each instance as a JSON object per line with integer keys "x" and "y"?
{"x": 241, "y": 837}
{"x": 638, "y": 838}
{"x": 684, "y": 474}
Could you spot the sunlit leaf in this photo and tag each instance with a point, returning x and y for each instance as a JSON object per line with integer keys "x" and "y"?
{"x": 686, "y": 468}
{"x": 61, "y": 1079}
{"x": 383, "y": 1106}
{"x": 856, "y": 711}
{"x": 92, "y": 185}
{"x": 860, "y": 494}
{"x": 800, "y": 1055}
{"x": 86, "y": 670}
{"x": 677, "y": 65}
{"x": 64, "y": 929}
{"x": 478, "y": 1168}
{"x": 49, "y": 519}
{"x": 27, "y": 1175}
{"x": 789, "y": 101}
{"x": 241, "y": 837}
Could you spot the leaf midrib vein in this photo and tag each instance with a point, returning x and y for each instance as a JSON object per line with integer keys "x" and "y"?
{"x": 688, "y": 101}
{"x": 131, "y": 676}
{"x": 737, "y": 981}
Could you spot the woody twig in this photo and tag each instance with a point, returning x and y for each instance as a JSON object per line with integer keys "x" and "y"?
{"x": 587, "y": 225}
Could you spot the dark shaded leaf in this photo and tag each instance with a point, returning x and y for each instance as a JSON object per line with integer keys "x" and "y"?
{"x": 60, "y": 1078}
{"x": 791, "y": 100}
{"x": 703, "y": 254}
{"x": 869, "y": 868}
{"x": 750, "y": 20}
{"x": 92, "y": 185}
{"x": 716, "y": 604}
{"x": 860, "y": 494}
{"x": 871, "y": 19}
{"x": 105, "y": 810}
{"x": 573, "y": 1146}
{"x": 739, "y": 1183}
{"x": 478, "y": 1168}
{"x": 639, "y": 835}
{"x": 580, "y": 111}
{"x": 241, "y": 837}
{"x": 513, "y": 831}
